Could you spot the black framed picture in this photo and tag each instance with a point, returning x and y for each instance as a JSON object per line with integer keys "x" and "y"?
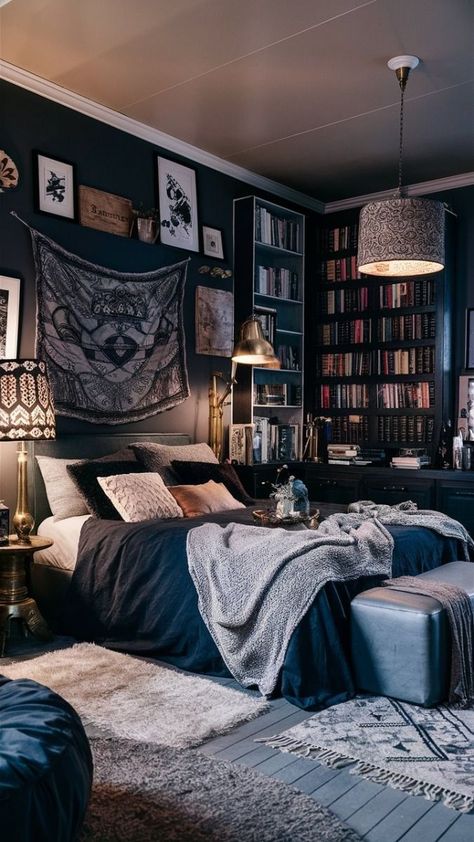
{"x": 178, "y": 205}
{"x": 212, "y": 244}
{"x": 55, "y": 186}
{"x": 470, "y": 338}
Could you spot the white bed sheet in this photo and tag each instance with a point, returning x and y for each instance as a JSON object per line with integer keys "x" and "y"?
{"x": 65, "y": 534}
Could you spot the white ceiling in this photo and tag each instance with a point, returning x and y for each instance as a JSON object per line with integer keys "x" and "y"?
{"x": 296, "y": 90}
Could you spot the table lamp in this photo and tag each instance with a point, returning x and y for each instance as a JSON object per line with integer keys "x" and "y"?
{"x": 26, "y": 414}
{"x": 251, "y": 349}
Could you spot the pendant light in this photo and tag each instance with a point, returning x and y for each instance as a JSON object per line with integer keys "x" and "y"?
{"x": 401, "y": 236}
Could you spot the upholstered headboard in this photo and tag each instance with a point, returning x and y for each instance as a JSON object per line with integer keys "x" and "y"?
{"x": 85, "y": 447}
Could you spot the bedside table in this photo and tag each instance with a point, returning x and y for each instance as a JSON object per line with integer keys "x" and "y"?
{"x": 15, "y": 599}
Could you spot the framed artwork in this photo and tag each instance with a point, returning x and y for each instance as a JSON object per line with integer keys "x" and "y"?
{"x": 214, "y": 322}
{"x": 470, "y": 338}
{"x": 178, "y": 205}
{"x": 9, "y": 316}
{"x": 212, "y": 242}
{"x": 105, "y": 211}
{"x": 55, "y": 186}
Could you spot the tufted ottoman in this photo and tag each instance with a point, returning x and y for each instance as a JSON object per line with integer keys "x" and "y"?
{"x": 45, "y": 764}
{"x": 401, "y": 642}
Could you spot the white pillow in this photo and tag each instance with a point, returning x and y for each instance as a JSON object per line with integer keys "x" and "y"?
{"x": 155, "y": 456}
{"x": 140, "y": 496}
{"x": 63, "y": 497}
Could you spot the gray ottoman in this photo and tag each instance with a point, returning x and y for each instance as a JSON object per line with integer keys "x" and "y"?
{"x": 400, "y": 641}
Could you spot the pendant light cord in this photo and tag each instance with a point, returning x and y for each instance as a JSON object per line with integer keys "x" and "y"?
{"x": 400, "y": 150}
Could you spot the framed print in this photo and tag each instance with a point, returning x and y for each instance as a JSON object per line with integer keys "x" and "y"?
{"x": 178, "y": 205}
{"x": 212, "y": 242}
{"x": 214, "y": 321}
{"x": 9, "y": 316}
{"x": 55, "y": 186}
{"x": 470, "y": 338}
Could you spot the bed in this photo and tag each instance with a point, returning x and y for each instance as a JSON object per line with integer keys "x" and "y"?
{"x": 130, "y": 588}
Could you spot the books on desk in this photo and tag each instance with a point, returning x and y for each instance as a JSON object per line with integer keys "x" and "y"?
{"x": 413, "y": 463}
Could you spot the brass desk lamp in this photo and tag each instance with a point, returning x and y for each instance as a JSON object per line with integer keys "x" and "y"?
{"x": 251, "y": 349}
{"x": 26, "y": 414}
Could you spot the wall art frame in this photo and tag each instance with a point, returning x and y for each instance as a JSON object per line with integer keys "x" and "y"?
{"x": 177, "y": 198}
{"x": 9, "y": 316}
{"x": 55, "y": 186}
{"x": 212, "y": 243}
{"x": 470, "y": 339}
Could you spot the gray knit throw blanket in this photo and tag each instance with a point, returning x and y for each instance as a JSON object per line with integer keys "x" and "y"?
{"x": 255, "y": 584}
{"x": 459, "y": 611}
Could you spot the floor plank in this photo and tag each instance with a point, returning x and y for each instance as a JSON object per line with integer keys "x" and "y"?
{"x": 392, "y": 827}
{"x": 367, "y": 816}
{"x": 462, "y": 830}
{"x": 357, "y": 797}
{"x": 432, "y": 825}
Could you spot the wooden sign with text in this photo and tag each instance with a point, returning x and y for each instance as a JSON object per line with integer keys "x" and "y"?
{"x": 105, "y": 211}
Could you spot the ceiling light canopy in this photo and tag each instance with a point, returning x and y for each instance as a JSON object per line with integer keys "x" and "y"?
{"x": 401, "y": 236}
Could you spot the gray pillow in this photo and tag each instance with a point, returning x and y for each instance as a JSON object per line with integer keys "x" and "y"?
{"x": 63, "y": 497}
{"x": 155, "y": 456}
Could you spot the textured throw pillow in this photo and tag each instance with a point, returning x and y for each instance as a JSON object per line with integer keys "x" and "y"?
{"x": 63, "y": 497}
{"x": 195, "y": 473}
{"x": 204, "y": 499}
{"x": 140, "y": 496}
{"x": 85, "y": 474}
{"x": 154, "y": 456}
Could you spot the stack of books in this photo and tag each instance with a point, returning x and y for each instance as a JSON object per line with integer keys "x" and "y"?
{"x": 342, "y": 454}
{"x": 412, "y": 459}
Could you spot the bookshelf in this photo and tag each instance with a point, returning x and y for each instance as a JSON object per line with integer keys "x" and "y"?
{"x": 269, "y": 254}
{"x": 380, "y": 348}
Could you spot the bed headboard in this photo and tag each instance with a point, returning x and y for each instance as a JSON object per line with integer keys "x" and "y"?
{"x": 85, "y": 447}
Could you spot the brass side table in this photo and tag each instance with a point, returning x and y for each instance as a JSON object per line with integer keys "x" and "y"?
{"x": 15, "y": 599}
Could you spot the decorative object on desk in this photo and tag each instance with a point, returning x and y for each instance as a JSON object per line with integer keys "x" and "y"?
{"x": 148, "y": 224}
{"x": 26, "y": 413}
{"x": 114, "y": 341}
{"x": 9, "y": 315}
{"x": 9, "y": 176}
{"x": 470, "y": 338}
{"x": 212, "y": 242}
{"x": 401, "y": 236}
{"x": 178, "y": 205}
{"x": 55, "y": 186}
{"x": 314, "y": 428}
{"x": 105, "y": 211}
{"x": 266, "y": 517}
{"x": 215, "y": 271}
{"x": 4, "y": 523}
{"x": 214, "y": 313}
{"x": 445, "y": 446}
{"x": 251, "y": 349}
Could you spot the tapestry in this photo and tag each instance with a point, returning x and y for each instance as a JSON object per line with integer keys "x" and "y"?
{"x": 114, "y": 342}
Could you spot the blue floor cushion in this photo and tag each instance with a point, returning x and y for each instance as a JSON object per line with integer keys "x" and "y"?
{"x": 45, "y": 764}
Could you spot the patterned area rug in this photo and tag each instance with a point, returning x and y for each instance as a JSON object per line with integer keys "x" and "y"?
{"x": 423, "y": 751}
{"x": 132, "y": 698}
{"x": 148, "y": 793}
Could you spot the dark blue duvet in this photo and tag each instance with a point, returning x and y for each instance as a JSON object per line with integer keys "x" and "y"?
{"x": 131, "y": 591}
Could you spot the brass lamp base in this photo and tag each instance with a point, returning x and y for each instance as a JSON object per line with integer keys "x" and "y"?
{"x": 22, "y": 521}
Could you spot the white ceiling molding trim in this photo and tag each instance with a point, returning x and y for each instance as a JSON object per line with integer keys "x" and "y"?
{"x": 438, "y": 185}
{"x": 49, "y": 90}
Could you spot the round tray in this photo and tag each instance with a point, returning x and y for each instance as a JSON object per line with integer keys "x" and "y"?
{"x": 266, "y": 517}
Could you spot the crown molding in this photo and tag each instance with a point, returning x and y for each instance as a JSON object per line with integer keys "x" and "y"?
{"x": 438, "y": 185}
{"x": 49, "y": 90}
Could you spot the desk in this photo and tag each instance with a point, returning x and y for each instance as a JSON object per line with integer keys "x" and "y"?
{"x": 15, "y": 599}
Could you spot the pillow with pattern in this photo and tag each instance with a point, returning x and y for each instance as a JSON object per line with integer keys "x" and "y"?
{"x": 85, "y": 475}
{"x": 141, "y": 496}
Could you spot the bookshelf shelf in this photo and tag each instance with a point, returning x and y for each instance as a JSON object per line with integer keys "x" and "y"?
{"x": 269, "y": 281}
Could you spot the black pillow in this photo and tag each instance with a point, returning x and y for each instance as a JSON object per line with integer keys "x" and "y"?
{"x": 195, "y": 473}
{"x": 84, "y": 475}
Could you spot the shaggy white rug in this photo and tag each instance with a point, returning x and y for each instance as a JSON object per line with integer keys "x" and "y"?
{"x": 138, "y": 700}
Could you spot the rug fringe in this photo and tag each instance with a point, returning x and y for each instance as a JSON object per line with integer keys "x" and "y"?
{"x": 377, "y": 774}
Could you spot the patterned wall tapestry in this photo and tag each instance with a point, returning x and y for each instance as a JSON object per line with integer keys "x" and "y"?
{"x": 113, "y": 342}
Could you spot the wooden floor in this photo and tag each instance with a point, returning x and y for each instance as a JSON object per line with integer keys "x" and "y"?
{"x": 378, "y": 813}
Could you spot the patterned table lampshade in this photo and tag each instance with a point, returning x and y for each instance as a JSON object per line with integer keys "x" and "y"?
{"x": 26, "y": 404}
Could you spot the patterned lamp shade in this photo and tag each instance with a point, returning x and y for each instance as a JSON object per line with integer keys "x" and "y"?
{"x": 401, "y": 237}
{"x": 26, "y": 404}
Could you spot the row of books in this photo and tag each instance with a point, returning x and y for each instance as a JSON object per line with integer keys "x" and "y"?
{"x": 405, "y": 360}
{"x": 343, "y": 396}
{"x": 414, "y": 428}
{"x": 419, "y": 293}
{"x": 267, "y": 317}
{"x": 345, "y": 333}
{"x": 406, "y": 395}
{"x": 276, "y": 231}
{"x": 350, "y": 428}
{"x": 344, "y": 300}
{"x": 340, "y": 269}
{"x": 289, "y": 356}
{"x": 275, "y": 442}
{"x": 413, "y": 326}
{"x": 276, "y": 281}
{"x": 363, "y": 363}
{"x": 338, "y": 239}
{"x": 277, "y": 394}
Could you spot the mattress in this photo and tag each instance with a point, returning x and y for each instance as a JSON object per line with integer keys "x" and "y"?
{"x": 65, "y": 534}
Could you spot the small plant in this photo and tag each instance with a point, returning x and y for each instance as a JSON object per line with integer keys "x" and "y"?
{"x": 146, "y": 213}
